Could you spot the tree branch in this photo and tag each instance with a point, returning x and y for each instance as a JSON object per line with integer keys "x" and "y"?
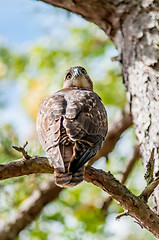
{"x": 150, "y": 168}
{"x": 106, "y": 181}
{"x": 149, "y": 189}
{"x": 24, "y": 166}
{"x": 149, "y": 177}
{"x": 133, "y": 204}
{"x": 22, "y": 150}
{"x": 29, "y": 209}
{"x": 106, "y": 14}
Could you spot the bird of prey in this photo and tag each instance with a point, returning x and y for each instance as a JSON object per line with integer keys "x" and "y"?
{"x": 71, "y": 126}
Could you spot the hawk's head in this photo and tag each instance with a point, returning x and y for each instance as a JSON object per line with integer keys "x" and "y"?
{"x": 77, "y": 77}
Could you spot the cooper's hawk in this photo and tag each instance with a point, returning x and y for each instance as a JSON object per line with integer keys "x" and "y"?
{"x": 71, "y": 125}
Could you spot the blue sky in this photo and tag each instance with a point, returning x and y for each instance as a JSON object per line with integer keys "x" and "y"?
{"x": 27, "y": 21}
{"x": 20, "y": 26}
{"x": 18, "y": 22}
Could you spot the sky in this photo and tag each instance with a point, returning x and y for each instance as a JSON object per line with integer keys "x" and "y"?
{"x": 27, "y": 21}
{"x": 19, "y": 20}
{"x": 20, "y": 27}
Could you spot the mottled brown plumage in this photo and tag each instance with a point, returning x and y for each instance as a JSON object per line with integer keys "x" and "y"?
{"x": 71, "y": 125}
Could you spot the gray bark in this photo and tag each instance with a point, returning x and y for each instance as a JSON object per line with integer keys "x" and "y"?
{"x": 133, "y": 27}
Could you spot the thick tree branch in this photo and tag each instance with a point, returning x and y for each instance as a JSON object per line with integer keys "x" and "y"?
{"x": 30, "y": 209}
{"x": 24, "y": 166}
{"x": 106, "y": 14}
{"x": 106, "y": 181}
{"x": 133, "y": 204}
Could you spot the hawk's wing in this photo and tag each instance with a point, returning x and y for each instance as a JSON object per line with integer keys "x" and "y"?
{"x": 48, "y": 127}
{"x": 83, "y": 117}
{"x": 86, "y": 123}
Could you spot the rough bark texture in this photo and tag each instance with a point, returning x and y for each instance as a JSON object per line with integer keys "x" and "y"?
{"x": 25, "y": 167}
{"x": 133, "y": 26}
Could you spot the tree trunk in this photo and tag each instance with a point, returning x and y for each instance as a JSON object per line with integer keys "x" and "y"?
{"x": 133, "y": 27}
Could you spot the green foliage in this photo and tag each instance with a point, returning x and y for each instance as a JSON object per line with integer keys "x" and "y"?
{"x": 11, "y": 65}
{"x": 111, "y": 94}
{"x": 7, "y": 137}
{"x": 92, "y": 217}
{"x": 90, "y": 44}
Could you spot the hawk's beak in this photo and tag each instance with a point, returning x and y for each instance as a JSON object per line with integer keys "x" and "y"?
{"x": 77, "y": 72}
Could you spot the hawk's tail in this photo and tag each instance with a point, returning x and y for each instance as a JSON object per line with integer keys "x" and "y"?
{"x": 68, "y": 179}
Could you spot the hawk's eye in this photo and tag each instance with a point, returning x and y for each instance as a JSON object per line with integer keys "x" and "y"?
{"x": 83, "y": 71}
{"x": 68, "y": 76}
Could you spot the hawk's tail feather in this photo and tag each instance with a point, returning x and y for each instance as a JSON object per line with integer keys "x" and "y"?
{"x": 82, "y": 156}
{"x": 68, "y": 179}
{"x": 77, "y": 163}
{"x": 62, "y": 179}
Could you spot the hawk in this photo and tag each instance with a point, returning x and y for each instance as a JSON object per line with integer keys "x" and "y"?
{"x": 71, "y": 126}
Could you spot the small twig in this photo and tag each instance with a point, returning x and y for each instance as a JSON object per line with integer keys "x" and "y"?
{"x": 125, "y": 213}
{"x": 151, "y": 182}
{"x": 116, "y": 58}
{"x": 22, "y": 150}
{"x": 150, "y": 168}
{"x": 149, "y": 190}
{"x": 138, "y": 224}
